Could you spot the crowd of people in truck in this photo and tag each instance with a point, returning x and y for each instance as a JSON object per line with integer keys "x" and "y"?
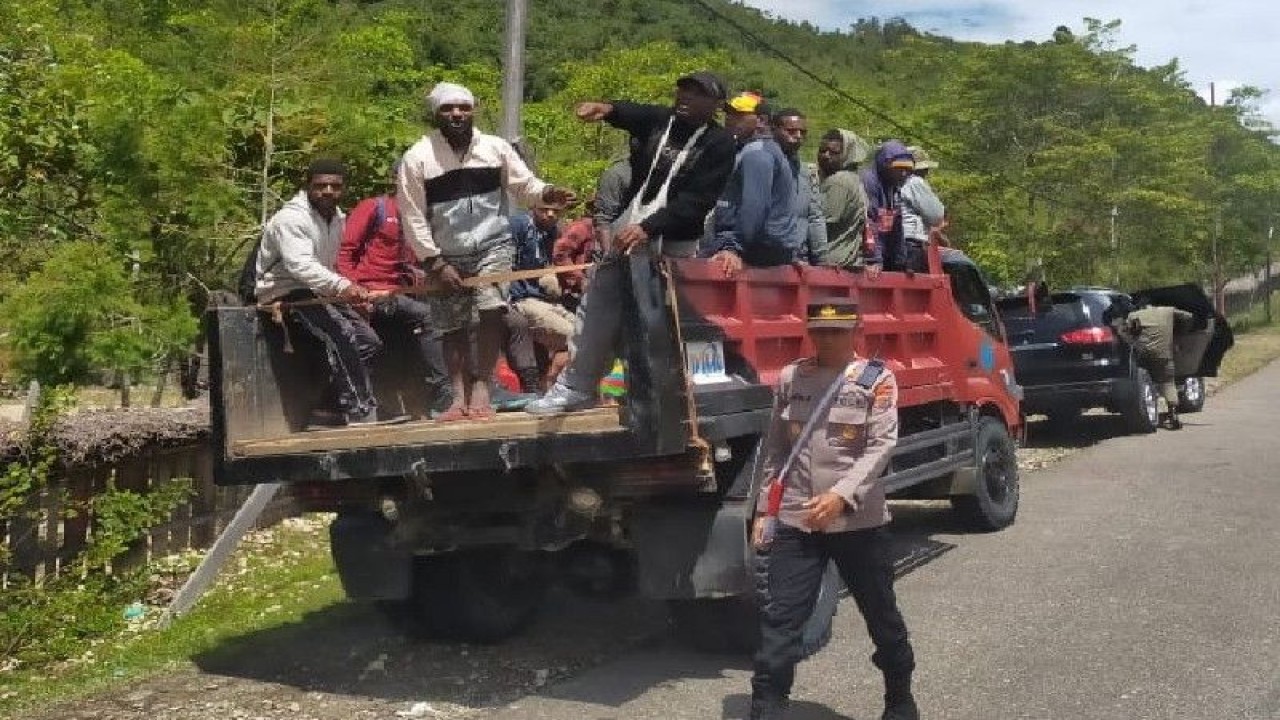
{"x": 734, "y": 192}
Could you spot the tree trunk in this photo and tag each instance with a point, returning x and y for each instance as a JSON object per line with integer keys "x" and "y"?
{"x": 126, "y": 381}
{"x": 162, "y": 381}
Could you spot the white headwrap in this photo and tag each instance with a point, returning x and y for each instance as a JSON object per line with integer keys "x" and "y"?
{"x": 446, "y": 93}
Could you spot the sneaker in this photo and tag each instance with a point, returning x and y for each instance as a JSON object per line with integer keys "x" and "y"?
{"x": 1174, "y": 422}
{"x": 371, "y": 419}
{"x": 560, "y": 399}
{"x": 503, "y": 400}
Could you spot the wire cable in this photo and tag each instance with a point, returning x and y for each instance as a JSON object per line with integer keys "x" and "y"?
{"x": 866, "y": 107}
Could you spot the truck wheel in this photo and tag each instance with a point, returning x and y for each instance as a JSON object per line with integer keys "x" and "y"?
{"x": 994, "y": 504}
{"x": 1141, "y": 410}
{"x": 1191, "y": 395}
{"x": 480, "y": 596}
{"x": 731, "y": 626}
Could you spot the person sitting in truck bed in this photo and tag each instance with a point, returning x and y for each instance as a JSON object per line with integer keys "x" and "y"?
{"x": 887, "y": 248}
{"x": 538, "y": 300}
{"x": 453, "y": 190}
{"x": 374, "y": 254}
{"x": 844, "y": 200}
{"x": 753, "y": 222}
{"x": 295, "y": 266}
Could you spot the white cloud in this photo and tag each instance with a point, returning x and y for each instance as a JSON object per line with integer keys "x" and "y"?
{"x": 1228, "y": 42}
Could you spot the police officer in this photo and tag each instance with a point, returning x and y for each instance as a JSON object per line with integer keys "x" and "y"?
{"x": 829, "y": 506}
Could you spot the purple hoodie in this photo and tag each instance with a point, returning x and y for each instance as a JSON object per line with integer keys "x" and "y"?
{"x": 881, "y": 193}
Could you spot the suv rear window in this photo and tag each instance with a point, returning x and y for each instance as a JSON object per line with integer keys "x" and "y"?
{"x": 1065, "y": 312}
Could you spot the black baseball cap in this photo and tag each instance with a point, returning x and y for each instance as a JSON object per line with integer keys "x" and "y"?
{"x": 707, "y": 83}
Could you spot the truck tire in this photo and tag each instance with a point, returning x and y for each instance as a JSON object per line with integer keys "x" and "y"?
{"x": 1191, "y": 392}
{"x": 994, "y": 503}
{"x": 731, "y": 625}
{"x": 1141, "y": 408}
{"x": 477, "y": 596}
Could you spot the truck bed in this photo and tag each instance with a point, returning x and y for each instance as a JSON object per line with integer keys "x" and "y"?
{"x": 510, "y": 426}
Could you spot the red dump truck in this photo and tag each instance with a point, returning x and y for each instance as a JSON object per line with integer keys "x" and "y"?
{"x": 458, "y": 523}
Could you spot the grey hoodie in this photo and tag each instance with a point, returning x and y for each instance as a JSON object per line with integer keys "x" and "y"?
{"x": 844, "y": 203}
{"x": 299, "y": 249}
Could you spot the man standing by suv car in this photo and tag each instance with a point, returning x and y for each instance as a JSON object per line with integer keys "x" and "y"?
{"x": 1151, "y": 330}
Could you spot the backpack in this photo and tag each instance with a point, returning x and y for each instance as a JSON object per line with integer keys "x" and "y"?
{"x": 246, "y": 286}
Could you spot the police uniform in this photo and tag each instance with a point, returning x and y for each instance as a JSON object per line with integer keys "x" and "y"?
{"x": 845, "y": 454}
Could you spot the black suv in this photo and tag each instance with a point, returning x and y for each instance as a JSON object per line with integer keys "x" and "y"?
{"x": 1068, "y": 359}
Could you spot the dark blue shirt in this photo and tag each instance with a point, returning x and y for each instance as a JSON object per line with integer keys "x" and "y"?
{"x": 533, "y": 252}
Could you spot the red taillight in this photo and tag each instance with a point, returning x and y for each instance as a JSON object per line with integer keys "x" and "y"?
{"x": 1089, "y": 336}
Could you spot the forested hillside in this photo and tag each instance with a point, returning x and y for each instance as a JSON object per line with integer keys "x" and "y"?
{"x": 142, "y": 142}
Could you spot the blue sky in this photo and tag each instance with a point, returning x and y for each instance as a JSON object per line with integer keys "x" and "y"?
{"x": 1227, "y": 42}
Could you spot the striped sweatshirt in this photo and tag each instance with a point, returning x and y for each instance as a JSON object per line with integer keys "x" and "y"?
{"x": 456, "y": 204}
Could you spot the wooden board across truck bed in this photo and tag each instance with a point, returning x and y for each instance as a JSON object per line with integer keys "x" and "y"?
{"x": 504, "y": 426}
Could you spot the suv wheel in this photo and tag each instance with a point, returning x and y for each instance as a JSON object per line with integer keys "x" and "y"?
{"x": 1191, "y": 395}
{"x": 1141, "y": 409}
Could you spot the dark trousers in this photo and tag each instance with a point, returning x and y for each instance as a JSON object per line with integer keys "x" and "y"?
{"x": 906, "y": 255}
{"x": 796, "y": 563}
{"x": 349, "y": 345}
{"x": 416, "y": 316}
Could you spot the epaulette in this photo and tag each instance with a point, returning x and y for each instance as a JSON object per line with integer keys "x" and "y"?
{"x": 870, "y": 374}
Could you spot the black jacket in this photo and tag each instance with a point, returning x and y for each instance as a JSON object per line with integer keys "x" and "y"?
{"x": 701, "y": 179}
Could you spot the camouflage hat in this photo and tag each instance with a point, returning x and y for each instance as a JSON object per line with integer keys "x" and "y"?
{"x": 923, "y": 161}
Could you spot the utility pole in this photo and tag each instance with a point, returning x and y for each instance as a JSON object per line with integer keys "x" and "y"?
{"x": 1219, "y": 302}
{"x": 1266, "y": 272}
{"x": 1115, "y": 250}
{"x": 513, "y": 70}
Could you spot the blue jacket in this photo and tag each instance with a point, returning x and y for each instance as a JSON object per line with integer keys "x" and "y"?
{"x": 533, "y": 252}
{"x": 883, "y": 194}
{"x": 756, "y": 215}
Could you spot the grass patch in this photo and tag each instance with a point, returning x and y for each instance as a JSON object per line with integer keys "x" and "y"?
{"x": 1257, "y": 343}
{"x": 276, "y": 577}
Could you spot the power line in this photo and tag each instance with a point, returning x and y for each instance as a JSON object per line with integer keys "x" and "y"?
{"x": 866, "y": 107}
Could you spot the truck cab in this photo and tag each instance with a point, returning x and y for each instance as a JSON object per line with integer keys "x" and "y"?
{"x": 463, "y": 522}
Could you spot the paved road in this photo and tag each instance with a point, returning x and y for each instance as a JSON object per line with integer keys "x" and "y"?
{"x": 1142, "y": 581}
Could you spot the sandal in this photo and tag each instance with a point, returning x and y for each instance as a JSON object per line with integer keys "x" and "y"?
{"x": 481, "y": 414}
{"x": 453, "y": 414}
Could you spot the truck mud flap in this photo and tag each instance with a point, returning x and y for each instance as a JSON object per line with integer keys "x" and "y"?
{"x": 371, "y": 565}
{"x": 693, "y": 551}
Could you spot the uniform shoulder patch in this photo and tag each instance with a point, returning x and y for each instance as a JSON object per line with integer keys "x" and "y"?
{"x": 870, "y": 373}
{"x": 885, "y": 393}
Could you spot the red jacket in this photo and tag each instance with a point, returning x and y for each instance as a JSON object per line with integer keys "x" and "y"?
{"x": 372, "y": 256}
{"x": 574, "y": 246}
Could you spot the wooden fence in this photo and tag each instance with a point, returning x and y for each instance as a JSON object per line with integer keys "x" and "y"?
{"x": 44, "y": 542}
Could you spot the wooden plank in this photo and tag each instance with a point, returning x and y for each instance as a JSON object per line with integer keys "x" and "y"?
{"x": 52, "y": 539}
{"x": 244, "y": 519}
{"x": 204, "y": 503}
{"x": 75, "y": 530}
{"x": 504, "y": 426}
